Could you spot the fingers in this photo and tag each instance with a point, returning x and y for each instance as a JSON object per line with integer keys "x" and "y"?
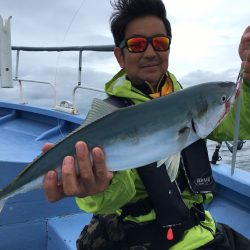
{"x": 245, "y": 39}
{"x": 83, "y": 184}
{"x": 246, "y": 34}
{"x": 69, "y": 178}
{"x": 53, "y": 190}
{"x": 244, "y": 44}
{"x": 93, "y": 176}
{"x": 244, "y": 52}
{"x": 246, "y": 66}
{"x": 85, "y": 166}
{"x": 46, "y": 147}
{"x": 102, "y": 175}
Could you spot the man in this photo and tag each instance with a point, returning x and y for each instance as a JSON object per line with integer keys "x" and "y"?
{"x": 124, "y": 212}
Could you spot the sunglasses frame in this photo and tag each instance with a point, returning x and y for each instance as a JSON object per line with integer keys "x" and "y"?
{"x": 124, "y": 43}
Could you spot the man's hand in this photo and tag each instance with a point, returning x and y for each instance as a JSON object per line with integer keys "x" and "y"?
{"x": 244, "y": 52}
{"x": 93, "y": 177}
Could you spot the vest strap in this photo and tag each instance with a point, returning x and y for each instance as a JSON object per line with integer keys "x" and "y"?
{"x": 164, "y": 194}
{"x": 154, "y": 229}
{"x": 197, "y": 168}
{"x": 139, "y": 208}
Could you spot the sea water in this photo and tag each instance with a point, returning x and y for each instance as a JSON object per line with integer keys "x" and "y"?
{"x": 242, "y": 157}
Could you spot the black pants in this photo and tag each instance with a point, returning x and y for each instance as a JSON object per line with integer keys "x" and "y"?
{"x": 227, "y": 239}
{"x": 110, "y": 233}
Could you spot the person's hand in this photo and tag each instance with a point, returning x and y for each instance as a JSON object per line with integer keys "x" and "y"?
{"x": 92, "y": 179}
{"x": 244, "y": 52}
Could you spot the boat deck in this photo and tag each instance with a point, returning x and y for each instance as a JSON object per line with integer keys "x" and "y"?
{"x": 24, "y": 220}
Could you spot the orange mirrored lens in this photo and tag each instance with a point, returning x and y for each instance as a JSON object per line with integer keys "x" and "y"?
{"x": 137, "y": 44}
{"x": 161, "y": 43}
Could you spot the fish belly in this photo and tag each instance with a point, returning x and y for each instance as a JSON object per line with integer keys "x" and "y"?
{"x": 140, "y": 151}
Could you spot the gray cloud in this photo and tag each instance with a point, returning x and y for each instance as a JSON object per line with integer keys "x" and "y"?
{"x": 52, "y": 23}
{"x": 202, "y": 76}
{"x": 46, "y": 23}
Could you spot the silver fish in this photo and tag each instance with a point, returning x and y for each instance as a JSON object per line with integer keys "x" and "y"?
{"x": 154, "y": 131}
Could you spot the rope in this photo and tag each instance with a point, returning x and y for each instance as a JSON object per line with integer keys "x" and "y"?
{"x": 59, "y": 54}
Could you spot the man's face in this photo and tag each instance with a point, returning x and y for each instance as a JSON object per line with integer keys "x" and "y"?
{"x": 149, "y": 65}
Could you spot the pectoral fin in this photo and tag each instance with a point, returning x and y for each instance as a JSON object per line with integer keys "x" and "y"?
{"x": 172, "y": 165}
{"x": 183, "y": 134}
{"x": 161, "y": 162}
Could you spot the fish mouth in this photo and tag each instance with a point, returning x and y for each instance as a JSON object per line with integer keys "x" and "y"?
{"x": 235, "y": 93}
{"x": 229, "y": 103}
{"x": 227, "y": 107}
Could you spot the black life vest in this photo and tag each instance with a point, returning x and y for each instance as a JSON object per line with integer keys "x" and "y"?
{"x": 165, "y": 197}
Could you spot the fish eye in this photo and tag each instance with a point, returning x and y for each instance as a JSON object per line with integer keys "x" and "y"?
{"x": 223, "y": 99}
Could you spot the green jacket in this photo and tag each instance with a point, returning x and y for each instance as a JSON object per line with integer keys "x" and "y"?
{"x": 126, "y": 186}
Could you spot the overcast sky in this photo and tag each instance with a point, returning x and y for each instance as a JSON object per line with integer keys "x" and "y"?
{"x": 206, "y": 36}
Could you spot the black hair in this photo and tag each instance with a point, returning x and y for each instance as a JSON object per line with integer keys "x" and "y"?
{"x": 127, "y": 10}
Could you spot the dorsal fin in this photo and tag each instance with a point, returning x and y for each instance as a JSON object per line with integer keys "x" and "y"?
{"x": 99, "y": 109}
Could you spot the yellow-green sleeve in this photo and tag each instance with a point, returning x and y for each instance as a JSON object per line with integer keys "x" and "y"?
{"x": 225, "y": 131}
{"x": 120, "y": 191}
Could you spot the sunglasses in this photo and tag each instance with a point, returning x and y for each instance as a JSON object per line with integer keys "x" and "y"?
{"x": 138, "y": 44}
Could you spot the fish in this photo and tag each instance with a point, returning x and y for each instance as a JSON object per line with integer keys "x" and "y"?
{"x": 137, "y": 135}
